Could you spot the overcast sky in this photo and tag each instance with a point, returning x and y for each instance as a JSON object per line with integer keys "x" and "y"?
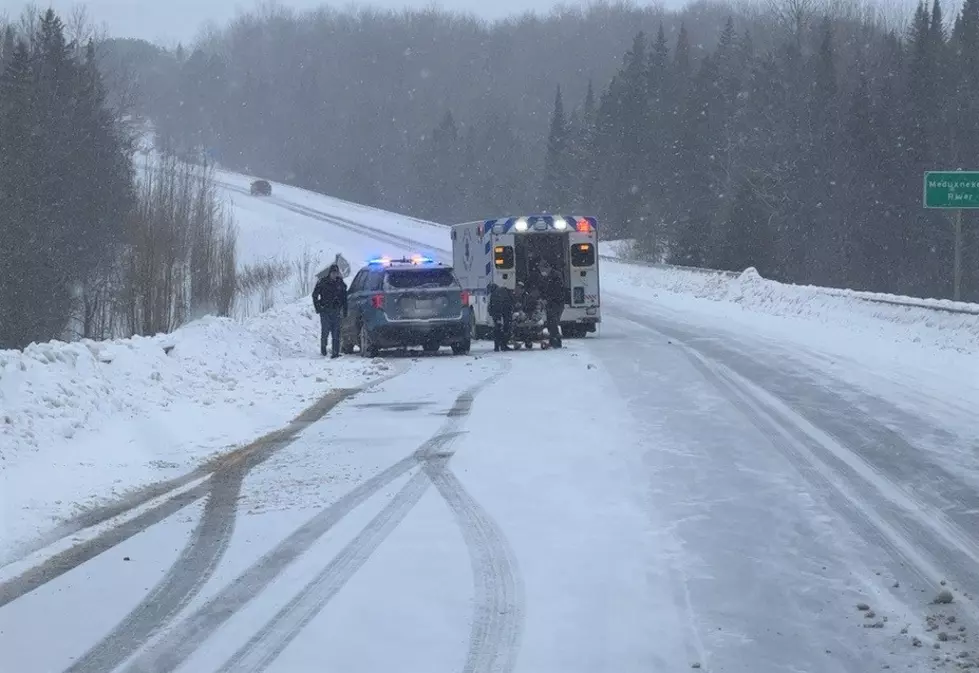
{"x": 168, "y": 21}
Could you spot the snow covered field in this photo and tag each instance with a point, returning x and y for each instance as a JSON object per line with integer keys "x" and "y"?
{"x": 717, "y": 480}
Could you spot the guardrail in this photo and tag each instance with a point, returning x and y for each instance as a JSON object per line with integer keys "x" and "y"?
{"x": 944, "y": 305}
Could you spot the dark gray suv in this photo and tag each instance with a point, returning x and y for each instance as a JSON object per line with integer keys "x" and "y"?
{"x": 406, "y": 302}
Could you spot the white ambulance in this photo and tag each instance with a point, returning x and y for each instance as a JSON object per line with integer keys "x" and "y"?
{"x": 507, "y": 251}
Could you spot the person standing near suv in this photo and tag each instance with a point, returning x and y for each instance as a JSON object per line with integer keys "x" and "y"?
{"x": 330, "y": 302}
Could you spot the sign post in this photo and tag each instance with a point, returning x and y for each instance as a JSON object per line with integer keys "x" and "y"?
{"x": 956, "y": 191}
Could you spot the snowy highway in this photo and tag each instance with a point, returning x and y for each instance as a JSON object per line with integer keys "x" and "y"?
{"x": 686, "y": 490}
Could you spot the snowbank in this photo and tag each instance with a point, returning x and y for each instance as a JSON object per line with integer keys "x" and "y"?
{"x": 748, "y": 291}
{"x": 618, "y": 249}
{"x": 83, "y": 422}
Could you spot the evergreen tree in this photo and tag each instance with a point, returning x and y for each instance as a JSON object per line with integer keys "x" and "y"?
{"x": 697, "y": 168}
{"x": 19, "y": 241}
{"x": 65, "y": 181}
{"x": 556, "y": 191}
{"x": 748, "y": 239}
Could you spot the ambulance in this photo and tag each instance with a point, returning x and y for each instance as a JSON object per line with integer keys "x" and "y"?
{"x": 508, "y": 251}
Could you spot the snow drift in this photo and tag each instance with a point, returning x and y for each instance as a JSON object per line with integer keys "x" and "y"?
{"x": 856, "y": 311}
{"x": 87, "y": 418}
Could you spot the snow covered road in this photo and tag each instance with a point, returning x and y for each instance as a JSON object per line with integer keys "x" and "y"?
{"x": 699, "y": 486}
{"x": 409, "y": 515}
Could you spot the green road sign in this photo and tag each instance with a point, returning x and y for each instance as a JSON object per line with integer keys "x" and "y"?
{"x": 952, "y": 189}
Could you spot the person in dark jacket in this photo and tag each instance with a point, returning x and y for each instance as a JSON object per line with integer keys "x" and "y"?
{"x": 330, "y": 301}
{"x": 553, "y": 293}
{"x": 501, "y": 311}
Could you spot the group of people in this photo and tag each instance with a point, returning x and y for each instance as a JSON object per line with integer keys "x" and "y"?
{"x": 544, "y": 283}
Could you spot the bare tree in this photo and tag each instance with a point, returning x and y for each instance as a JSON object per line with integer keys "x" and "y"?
{"x": 305, "y": 270}
{"x": 794, "y": 16}
{"x": 183, "y": 253}
{"x": 262, "y": 279}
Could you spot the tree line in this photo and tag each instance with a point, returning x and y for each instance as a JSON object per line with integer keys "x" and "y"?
{"x": 805, "y": 160}
{"x": 790, "y": 136}
{"x": 88, "y": 248}
{"x": 366, "y": 104}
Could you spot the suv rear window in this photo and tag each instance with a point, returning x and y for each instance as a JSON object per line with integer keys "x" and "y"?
{"x": 419, "y": 278}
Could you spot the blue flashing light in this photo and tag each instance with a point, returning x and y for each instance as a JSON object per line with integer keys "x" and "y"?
{"x": 416, "y": 260}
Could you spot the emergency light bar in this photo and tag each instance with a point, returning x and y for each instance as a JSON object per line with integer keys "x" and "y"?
{"x": 414, "y": 259}
{"x": 532, "y": 223}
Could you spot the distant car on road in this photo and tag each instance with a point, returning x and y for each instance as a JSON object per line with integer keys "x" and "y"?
{"x": 261, "y": 188}
{"x": 397, "y": 303}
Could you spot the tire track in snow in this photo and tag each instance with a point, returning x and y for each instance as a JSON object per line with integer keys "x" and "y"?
{"x": 494, "y": 640}
{"x": 65, "y": 561}
{"x": 194, "y": 567}
{"x": 261, "y": 650}
{"x": 188, "y": 635}
{"x": 498, "y": 617}
{"x": 254, "y": 454}
{"x": 926, "y": 544}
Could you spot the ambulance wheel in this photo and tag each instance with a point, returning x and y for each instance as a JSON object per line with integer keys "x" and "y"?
{"x": 530, "y": 345}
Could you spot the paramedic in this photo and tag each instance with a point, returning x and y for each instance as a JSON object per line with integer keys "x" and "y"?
{"x": 525, "y": 301}
{"x": 553, "y": 294}
{"x": 501, "y": 311}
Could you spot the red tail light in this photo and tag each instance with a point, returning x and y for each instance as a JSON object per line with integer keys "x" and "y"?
{"x": 465, "y": 297}
{"x": 377, "y": 301}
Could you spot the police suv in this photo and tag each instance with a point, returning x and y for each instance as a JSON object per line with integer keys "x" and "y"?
{"x": 396, "y": 303}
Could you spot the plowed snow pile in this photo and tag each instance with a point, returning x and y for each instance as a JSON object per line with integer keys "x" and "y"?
{"x": 90, "y": 420}
{"x": 738, "y": 296}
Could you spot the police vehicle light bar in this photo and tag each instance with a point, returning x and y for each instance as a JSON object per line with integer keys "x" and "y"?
{"x": 414, "y": 259}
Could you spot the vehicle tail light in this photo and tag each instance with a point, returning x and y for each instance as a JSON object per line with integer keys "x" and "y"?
{"x": 465, "y": 297}
{"x": 377, "y": 301}
{"x": 583, "y": 226}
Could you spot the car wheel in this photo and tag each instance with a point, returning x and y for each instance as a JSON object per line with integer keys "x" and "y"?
{"x": 462, "y": 348}
{"x": 367, "y": 347}
{"x": 431, "y": 347}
